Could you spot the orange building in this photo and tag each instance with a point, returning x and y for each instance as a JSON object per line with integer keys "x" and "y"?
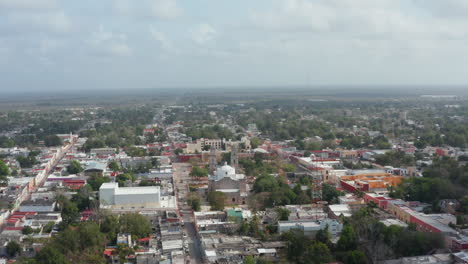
{"x": 369, "y": 182}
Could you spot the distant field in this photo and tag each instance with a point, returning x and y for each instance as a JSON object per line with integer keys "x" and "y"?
{"x": 60, "y": 99}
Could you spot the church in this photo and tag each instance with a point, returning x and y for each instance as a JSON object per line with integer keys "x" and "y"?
{"x": 225, "y": 179}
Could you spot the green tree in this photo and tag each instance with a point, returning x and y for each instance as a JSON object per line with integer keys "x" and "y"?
{"x": 13, "y": 248}
{"x": 74, "y": 167}
{"x": 348, "y": 239}
{"x": 217, "y": 200}
{"x": 83, "y": 197}
{"x": 50, "y": 255}
{"x": 287, "y": 167}
{"x": 355, "y": 257}
{"x": 417, "y": 243}
{"x": 48, "y": 227}
{"x": 110, "y": 226}
{"x": 70, "y": 212}
{"x": 145, "y": 182}
{"x": 96, "y": 180}
{"x": 135, "y": 224}
{"x": 178, "y": 151}
{"x": 27, "y": 162}
{"x": 4, "y": 172}
{"x": 89, "y": 235}
{"x": 27, "y": 230}
{"x": 255, "y": 142}
{"x": 265, "y": 183}
{"x": 123, "y": 178}
{"x": 296, "y": 245}
{"x": 283, "y": 213}
{"x": 263, "y": 261}
{"x": 199, "y": 172}
{"x": 194, "y": 201}
{"x": 155, "y": 163}
{"x": 6, "y": 142}
{"x": 330, "y": 193}
{"x": 114, "y": 166}
{"x": 395, "y": 159}
{"x": 248, "y": 260}
{"x": 317, "y": 253}
{"x": 323, "y": 235}
{"x": 52, "y": 141}
{"x": 123, "y": 251}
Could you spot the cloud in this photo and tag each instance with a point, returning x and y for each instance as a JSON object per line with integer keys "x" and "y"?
{"x": 162, "y": 9}
{"x": 122, "y": 7}
{"x": 25, "y": 17}
{"x": 59, "y": 22}
{"x": 120, "y": 49}
{"x": 296, "y": 15}
{"x": 166, "y": 9}
{"x": 162, "y": 39}
{"x": 27, "y": 4}
{"x": 446, "y": 8}
{"x": 203, "y": 33}
{"x": 104, "y": 42}
{"x": 270, "y": 42}
{"x": 371, "y": 19}
{"x": 27, "y": 23}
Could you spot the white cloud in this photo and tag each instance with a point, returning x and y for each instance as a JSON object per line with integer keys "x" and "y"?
{"x": 120, "y": 49}
{"x": 28, "y": 4}
{"x": 357, "y": 18}
{"x": 49, "y": 22}
{"x": 59, "y": 22}
{"x": 166, "y": 9}
{"x": 162, "y": 9}
{"x": 297, "y": 15}
{"x": 203, "y": 33}
{"x": 445, "y": 8}
{"x": 162, "y": 39}
{"x": 122, "y": 7}
{"x": 47, "y": 45}
{"x": 105, "y": 42}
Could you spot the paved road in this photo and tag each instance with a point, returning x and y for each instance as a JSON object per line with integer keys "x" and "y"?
{"x": 181, "y": 178}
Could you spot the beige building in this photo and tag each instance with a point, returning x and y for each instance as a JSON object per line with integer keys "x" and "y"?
{"x": 218, "y": 144}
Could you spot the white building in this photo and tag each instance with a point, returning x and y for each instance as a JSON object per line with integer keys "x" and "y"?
{"x": 310, "y": 227}
{"x": 111, "y": 195}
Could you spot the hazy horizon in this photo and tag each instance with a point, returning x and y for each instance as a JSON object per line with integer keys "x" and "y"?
{"x": 111, "y": 96}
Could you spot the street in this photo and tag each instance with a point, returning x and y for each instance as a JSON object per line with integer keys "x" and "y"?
{"x": 181, "y": 179}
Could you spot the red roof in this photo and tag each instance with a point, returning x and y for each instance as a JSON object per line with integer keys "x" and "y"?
{"x": 145, "y": 239}
{"x": 108, "y": 251}
{"x": 17, "y": 215}
{"x": 23, "y": 213}
{"x": 87, "y": 212}
{"x": 14, "y": 228}
{"x": 73, "y": 181}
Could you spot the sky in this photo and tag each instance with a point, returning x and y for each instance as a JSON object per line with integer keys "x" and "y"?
{"x": 130, "y": 44}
